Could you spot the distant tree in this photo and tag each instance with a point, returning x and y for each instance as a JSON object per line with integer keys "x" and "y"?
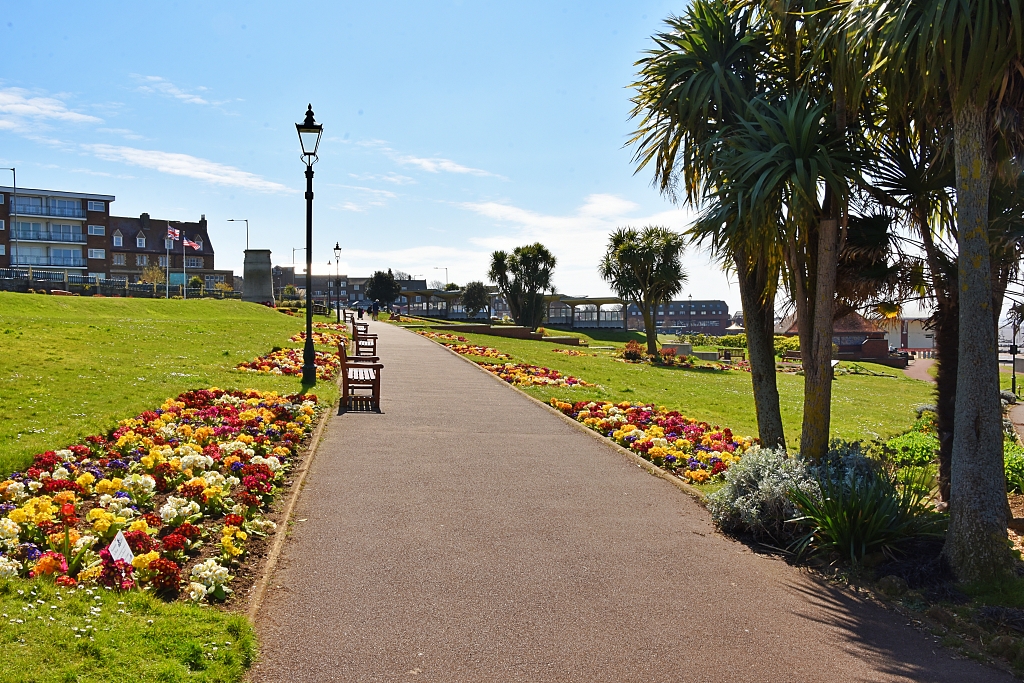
{"x": 475, "y": 298}
{"x": 644, "y": 266}
{"x": 289, "y": 292}
{"x": 435, "y": 284}
{"x": 383, "y": 287}
{"x": 402, "y": 275}
{"x": 451, "y": 287}
{"x": 223, "y": 287}
{"x": 153, "y": 275}
{"x": 522, "y": 278}
{"x": 195, "y": 282}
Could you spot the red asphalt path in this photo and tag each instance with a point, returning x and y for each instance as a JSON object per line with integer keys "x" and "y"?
{"x": 467, "y": 534}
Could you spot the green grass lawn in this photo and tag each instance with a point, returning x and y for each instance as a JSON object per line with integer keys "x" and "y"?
{"x": 863, "y": 407}
{"x": 100, "y": 635}
{"x": 74, "y": 366}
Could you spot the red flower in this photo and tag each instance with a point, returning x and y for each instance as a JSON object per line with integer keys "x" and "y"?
{"x": 168, "y": 574}
{"x": 139, "y": 541}
{"x": 189, "y": 531}
{"x": 233, "y": 520}
{"x": 174, "y": 543}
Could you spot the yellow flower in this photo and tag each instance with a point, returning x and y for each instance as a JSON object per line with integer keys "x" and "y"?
{"x": 91, "y": 574}
{"x": 86, "y": 480}
{"x": 140, "y": 525}
{"x": 245, "y": 438}
{"x": 142, "y": 562}
{"x": 108, "y": 486}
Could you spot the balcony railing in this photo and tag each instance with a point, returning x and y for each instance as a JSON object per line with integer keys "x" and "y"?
{"x": 65, "y": 261}
{"x": 47, "y": 236}
{"x": 32, "y": 210}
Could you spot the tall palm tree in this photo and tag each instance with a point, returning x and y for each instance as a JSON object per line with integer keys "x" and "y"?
{"x": 644, "y": 266}
{"x": 691, "y": 88}
{"x": 523, "y": 277}
{"x": 971, "y": 52}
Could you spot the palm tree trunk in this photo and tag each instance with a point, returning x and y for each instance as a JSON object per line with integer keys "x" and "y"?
{"x": 650, "y": 328}
{"x": 759, "y": 321}
{"x": 976, "y": 544}
{"x": 817, "y": 353}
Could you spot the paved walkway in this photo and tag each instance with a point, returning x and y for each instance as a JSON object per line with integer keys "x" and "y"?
{"x": 919, "y": 370}
{"x": 467, "y": 534}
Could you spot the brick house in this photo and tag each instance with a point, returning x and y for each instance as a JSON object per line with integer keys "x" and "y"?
{"x": 137, "y": 243}
{"x": 707, "y": 316}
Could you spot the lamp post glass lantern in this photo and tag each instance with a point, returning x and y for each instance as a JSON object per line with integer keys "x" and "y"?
{"x": 309, "y": 138}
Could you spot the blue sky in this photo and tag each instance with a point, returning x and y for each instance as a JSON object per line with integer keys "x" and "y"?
{"x": 451, "y": 128}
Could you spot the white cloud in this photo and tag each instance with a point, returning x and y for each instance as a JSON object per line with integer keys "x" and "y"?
{"x": 186, "y": 165}
{"x": 161, "y": 86}
{"x": 18, "y": 106}
{"x": 123, "y": 132}
{"x": 394, "y": 178}
{"x": 437, "y": 165}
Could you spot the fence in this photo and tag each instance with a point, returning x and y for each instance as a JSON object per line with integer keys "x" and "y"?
{"x": 31, "y": 279}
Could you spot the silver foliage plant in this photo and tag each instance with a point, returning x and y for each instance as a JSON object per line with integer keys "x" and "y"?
{"x": 755, "y": 498}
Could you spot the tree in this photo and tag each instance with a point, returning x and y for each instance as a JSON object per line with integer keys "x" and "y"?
{"x": 223, "y": 287}
{"x": 435, "y": 284}
{"x": 289, "y": 292}
{"x": 970, "y": 53}
{"x": 475, "y": 298}
{"x": 451, "y": 287}
{"x": 383, "y": 287}
{"x": 195, "y": 282}
{"x": 696, "y": 82}
{"x": 522, "y": 278}
{"x": 645, "y": 267}
{"x": 153, "y": 274}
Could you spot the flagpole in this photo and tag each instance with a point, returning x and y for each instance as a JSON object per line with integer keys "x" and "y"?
{"x": 167, "y": 266}
{"x": 184, "y": 277}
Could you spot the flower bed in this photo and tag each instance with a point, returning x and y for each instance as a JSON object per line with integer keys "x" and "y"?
{"x": 337, "y": 327}
{"x": 695, "y": 451}
{"x": 457, "y": 345}
{"x": 523, "y": 375}
{"x": 323, "y": 338}
{"x": 571, "y": 352}
{"x": 289, "y": 362}
{"x": 188, "y": 485}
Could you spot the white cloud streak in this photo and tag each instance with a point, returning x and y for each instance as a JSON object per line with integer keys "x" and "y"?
{"x": 438, "y": 165}
{"x": 17, "y": 106}
{"x": 161, "y": 86}
{"x": 175, "y": 163}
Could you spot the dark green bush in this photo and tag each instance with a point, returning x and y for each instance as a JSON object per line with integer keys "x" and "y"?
{"x": 1013, "y": 457}
{"x": 862, "y": 512}
{"x": 914, "y": 448}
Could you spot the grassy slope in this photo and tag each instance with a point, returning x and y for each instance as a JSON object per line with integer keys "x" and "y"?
{"x": 73, "y": 366}
{"x": 862, "y": 406}
{"x": 134, "y": 637}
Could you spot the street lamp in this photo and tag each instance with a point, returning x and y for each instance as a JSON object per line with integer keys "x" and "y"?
{"x": 309, "y": 138}
{"x": 246, "y": 220}
{"x": 445, "y": 269}
{"x": 337, "y": 277}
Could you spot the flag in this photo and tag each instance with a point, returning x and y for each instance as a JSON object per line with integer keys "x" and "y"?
{"x": 190, "y": 243}
{"x": 173, "y": 233}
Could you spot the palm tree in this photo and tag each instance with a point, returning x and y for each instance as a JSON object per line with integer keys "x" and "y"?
{"x": 644, "y": 266}
{"x": 970, "y": 52}
{"x": 692, "y": 87}
{"x": 522, "y": 278}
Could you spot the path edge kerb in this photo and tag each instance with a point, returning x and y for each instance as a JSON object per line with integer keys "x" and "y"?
{"x": 281, "y": 534}
{"x": 639, "y": 461}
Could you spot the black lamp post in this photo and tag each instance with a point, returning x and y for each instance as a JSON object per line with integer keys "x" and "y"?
{"x": 309, "y": 137}
{"x": 337, "y": 278}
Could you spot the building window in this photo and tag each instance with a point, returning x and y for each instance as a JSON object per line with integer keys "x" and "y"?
{"x": 98, "y": 276}
{"x": 97, "y": 206}
{"x": 3, "y": 249}
{"x": 141, "y": 260}
{"x": 119, "y": 259}
{"x": 163, "y": 261}
{"x": 193, "y": 262}
{"x": 168, "y": 244}
{"x": 355, "y": 287}
{"x": 3, "y": 224}
{"x": 140, "y": 241}
{"x": 97, "y": 230}
{"x": 199, "y": 240}
{"x": 117, "y": 239}
{"x": 97, "y": 253}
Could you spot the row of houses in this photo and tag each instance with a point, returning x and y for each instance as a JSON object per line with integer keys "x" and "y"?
{"x": 75, "y": 233}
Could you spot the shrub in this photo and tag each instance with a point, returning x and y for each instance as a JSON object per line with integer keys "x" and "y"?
{"x": 857, "y": 511}
{"x": 915, "y": 448}
{"x": 736, "y": 341}
{"x": 633, "y": 351}
{"x": 783, "y": 344}
{"x": 755, "y": 498}
{"x": 1013, "y": 457}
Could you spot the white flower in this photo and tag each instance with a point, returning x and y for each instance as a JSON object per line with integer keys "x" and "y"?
{"x": 9, "y": 567}
{"x": 214, "y": 478}
{"x": 137, "y": 484}
{"x": 65, "y": 455}
{"x": 60, "y": 473}
{"x": 210, "y": 574}
{"x": 84, "y": 542}
{"x": 196, "y": 592}
{"x": 16, "y": 491}
{"x": 9, "y": 529}
{"x": 34, "y": 486}
{"x": 178, "y": 507}
{"x": 196, "y": 461}
{"x": 272, "y": 462}
{"x": 260, "y": 525}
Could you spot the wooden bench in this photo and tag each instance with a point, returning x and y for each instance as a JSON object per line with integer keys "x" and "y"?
{"x": 364, "y": 344}
{"x": 730, "y": 353}
{"x": 790, "y": 355}
{"x": 360, "y": 380}
{"x": 350, "y": 316}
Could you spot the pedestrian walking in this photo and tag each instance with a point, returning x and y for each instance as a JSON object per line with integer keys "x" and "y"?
{"x": 360, "y": 309}
{"x": 376, "y": 308}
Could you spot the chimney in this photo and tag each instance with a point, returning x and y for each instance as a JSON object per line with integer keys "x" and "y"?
{"x": 144, "y": 221}
{"x": 202, "y": 220}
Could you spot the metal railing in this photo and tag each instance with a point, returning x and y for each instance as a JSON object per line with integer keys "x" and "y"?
{"x": 66, "y": 261}
{"x": 48, "y": 236}
{"x": 31, "y": 210}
